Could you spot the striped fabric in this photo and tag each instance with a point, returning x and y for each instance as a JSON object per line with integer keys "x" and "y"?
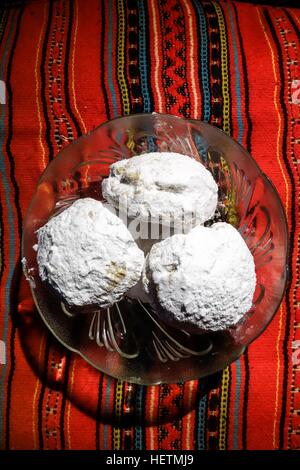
{"x": 71, "y": 65}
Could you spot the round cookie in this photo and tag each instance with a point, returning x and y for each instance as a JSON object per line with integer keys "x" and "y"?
{"x": 205, "y": 279}
{"x": 162, "y": 186}
{"x": 87, "y": 255}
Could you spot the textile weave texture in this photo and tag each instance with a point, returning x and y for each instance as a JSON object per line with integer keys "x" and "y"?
{"x": 69, "y": 66}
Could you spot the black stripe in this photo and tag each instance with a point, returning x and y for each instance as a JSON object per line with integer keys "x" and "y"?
{"x": 249, "y": 146}
{"x": 199, "y": 57}
{"x": 199, "y": 395}
{"x": 148, "y": 49}
{"x": 4, "y": 14}
{"x": 43, "y": 82}
{"x": 126, "y": 42}
{"x": 66, "y": 71}
{"x": 19, "y": 216}
{"x": 162, "y": 28}
{"x": 187, "y": 113}
{"x": 10, "y": 126}
{"x": 159, "y": 408}
{"x": 102, "y": 60}
{"x": 132, "y": 419}
{"x": 182, "y": 386}
{"x": 246, "y": 81}
{"x": 213, "y": 384}
{"x": 293, "y": 228}
{"x": 42, "y": 393}
{"x": 230, "y": 125}
{"x": 295, "y": 27}
{"x": 51, "y": 155}
{"x": 64, "y": 399}
{"x": 98, "y": 412}
{"x": 78, "y": 131}
{"x": 143, "y": 417}
{"x": 215, "y": 91}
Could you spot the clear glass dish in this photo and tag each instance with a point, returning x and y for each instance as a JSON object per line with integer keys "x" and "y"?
{"x": 129, "y": 341}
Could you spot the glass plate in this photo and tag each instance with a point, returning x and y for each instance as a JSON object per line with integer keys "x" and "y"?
{"x": 129, "y": 341}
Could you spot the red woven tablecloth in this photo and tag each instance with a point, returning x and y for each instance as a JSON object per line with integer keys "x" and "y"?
{"x": 71, "y": 65}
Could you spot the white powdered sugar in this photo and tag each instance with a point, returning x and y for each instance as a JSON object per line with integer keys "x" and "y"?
{"x": 205, "y": 278}
{"x": 164, "y": 186}
{"x": 87, "y": 255}
{"x": 202, "y": 280}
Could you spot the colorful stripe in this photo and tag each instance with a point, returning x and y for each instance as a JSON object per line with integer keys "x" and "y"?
{"x": 118, "y": 414}
{"x": 157, "y": 52}
{"x": 203, "y": 63}
{"x": 201, "y": 420}
{"x": 121, "y": 59}
{"x": 10, "y": 216}
{"x": 226, "y": 115}
{"x": 237, "y": 78}
{"x": 224, "y": 69}
{"x": 106, "y": 410}
{"x": 240, "y": 137}
{"x": 139, "y": 405}
{"x": 237, "y": 398}
{"x": 291, "y": 56}
{"x": 285, "y": 346}
{"x": 224, "y": 408}
{"x": 109, "y": 58}
{"x": 143, "y": 57}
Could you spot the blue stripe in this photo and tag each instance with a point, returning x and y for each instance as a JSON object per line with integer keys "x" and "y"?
{"x": 201, "y": 146}
{"x": 10, "y": 216}
{"x": 143, "y": 57}
{"x": 237, "y": 78}
{"x": 140, "y": 389}
{"x": 240, "y": 139}
{"x": 236, "y": 405}
{"x": 204, "y": 61}
{"x": 109, "y": 60}
{"x": 201, "y": 423}
{"x": 106, "y": 410}
{"x": 205, "y": 85}
{"x": 138, "y": 445}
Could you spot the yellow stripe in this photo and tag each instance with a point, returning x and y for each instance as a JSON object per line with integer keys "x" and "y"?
{"x": 277, "y": 378}
{"x": 73, "y": 60}
{"x": 157, "y": 60}
{"x": 37, "y": 89}
{"x": 120, "y": 58}
{"x": 276, "y": 90}
{"x": 151, "y": 415}
{"x": 189, "y": 430}
{"x": 224, "y": 69}
{"x": 223, "y": 408}
{"x": 118, "y": 414}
